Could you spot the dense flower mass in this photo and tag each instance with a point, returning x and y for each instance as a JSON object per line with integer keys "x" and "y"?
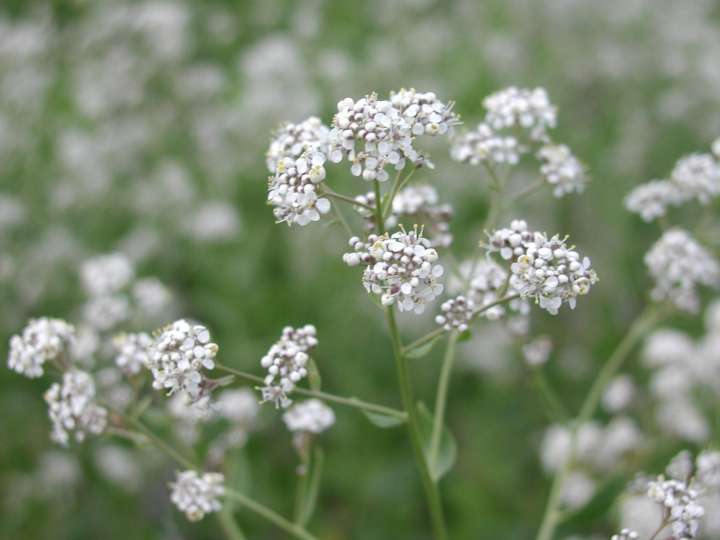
{"x": 625, "y": 534}
{"x": 678, "y": 264}
{"x": 287, "y": 363}
{"x": 543, "y": 268}
{"x": 197, "y": 495}
{"x": 482, "y": 144}
{"x": 680, "y": 504}
{"x": 292, "y": 191}
{"x": 562, "y": 170}
{"x": 424, "y": 112}
{"x": 456, "y": 314}
{"x": 132, "y": 351}
{"x": 72, "y": 408}
{"x": 527, "y": 109}
{"x": 697, "y": 176}
{"x": 651, "y": 200}
{"x": 401, "y": 268}
{"x": 42, "y": 340}
{"x": 106, "y": 274}
{"x": 294, "y": 140}
{"x": 177, "y": 356}
{"x": 311, "y": 416}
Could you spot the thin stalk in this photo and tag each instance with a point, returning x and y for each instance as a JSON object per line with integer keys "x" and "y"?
{"x": 327, "y": 193}
{"x": 441, "y": 397}
{"x": 349, "y": 401}
{"x": 398, "y": 184}
{"x": 439, "y": 331}
{"x": 302, "y": 485}
{"x": 430, "y": 488}
{"x": 528, "y": 190}
{"x": 270, "y": 515}
{"x": 642, "y": 324}
{"x": 229, "y": 526}
{"x": 318, "y": 461}
{"x": 161, "y": 444}
{"x": 557, "y": 409}
{"x": 343, "y": 220}
{"x": 379, "y": 220}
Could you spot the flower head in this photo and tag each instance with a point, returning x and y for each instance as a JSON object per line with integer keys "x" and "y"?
{"x": 680, "y": 504}
{"x": 651, "y": 200}
{"x": 456, "y": 314}
{"x": 72, "y": 408}
{"x": 424, "y": 113}
{"x": 562, "y": 169}
{"x": 310, "y": 416}
{"x": 178, "y": 355}
{"x": 292, "y": 192}
{"x": 286, "y": 363}
{"x": 42, "y": 340}
{"x": 523, "y": 108}
{"x": 678, "y": 264}
{"x": 625, "y": 534}
{"x": 401, "y": 268}
{"x": 294, "y": 140}
{"x": 697, "y": 176}
{"x": 106, "y": 274}
{"x": 197, "y": 495}
{"x": 132, "y": 351}
{"x": 483, "y": 144}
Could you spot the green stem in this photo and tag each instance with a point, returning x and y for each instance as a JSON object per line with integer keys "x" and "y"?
{"x": 398, "y": 184}
{"x": 348, "y": 401}
{"x": 642, "y": 324}
{"x": 343, "y": 220}
{"x": 317, "y": 463}
{"x": 327, "y": 193}
{"x": 441, "y": 397}
{"x": 161, "y": 444}
{"x": 229, "y": 526}
{"x": 528, "y": 190}
{"x": 302, "y": 485}
{"x": 558, "y": 411}
{"x": 270, "y": 515}
{"x": 430, "y": 488}
{"x": 379, "y": 220}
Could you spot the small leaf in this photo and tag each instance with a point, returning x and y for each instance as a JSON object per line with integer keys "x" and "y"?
{"x": 381, "y": 420}
{"x": 314, "y": 376}
{"x": 447, "y": 449}
{"x": 464, "y": 336}
{"x": 422, "y": 350}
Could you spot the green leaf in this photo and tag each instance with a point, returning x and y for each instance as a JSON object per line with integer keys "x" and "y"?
{"x": 447, "y": 449}
{"x": 314, "y": 376}
{"x": 422, "y": 350}
{"x": 464, "y": 336}
{"x": 381, "y": 420}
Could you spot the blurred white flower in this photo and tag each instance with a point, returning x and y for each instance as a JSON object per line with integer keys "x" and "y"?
{"x": 42, "y": 340}
{"x": 523, "y": 108}
{"x": 651, "y": 200}
{"x": 563, "y": 171}
{"x": 197, "y": 494}
{"x": 105, "y": 275}
{"x": 310, "y": 416}
{"x": 456, "y": 314}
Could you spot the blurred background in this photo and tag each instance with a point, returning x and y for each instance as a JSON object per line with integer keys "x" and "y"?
{"x": 142, "y": 127}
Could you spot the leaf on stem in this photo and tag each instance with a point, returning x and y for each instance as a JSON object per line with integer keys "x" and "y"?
{"x": 314, "y": 376}
{"x": 424, "y": 349}
{"x": 384, "y": 421}
{"x": 447, "y": 450}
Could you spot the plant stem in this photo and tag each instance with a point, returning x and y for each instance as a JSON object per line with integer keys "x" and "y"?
{"x": 647, "y": 319}
{"x": 161, "y": 444}
{"x": 302, "y": 485}
{"x": 430, "y": 488}
{"x": 441, "y": 397}
{"x": 270, "y": 515}
{"x": 528, "y": 190}
{"x": 379, "y": 220}
{"x": 342, "y": 219}
{"x": 349, "y": 401}
{"x": 558, "y": 411}
{"x": 318, "y": 459}
{"x": 229, "y": 526}
{"x": 398, "y": 184}
{"x": 346, "y": 199}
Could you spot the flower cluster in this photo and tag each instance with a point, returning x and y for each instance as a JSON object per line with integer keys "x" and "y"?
{"x": 694, "y": 177}
{"x": 424, "y": 112}
{"x": 543, "y": 268}
{"x": 679, "y": 501}
{"x": 197, "y": 495}
{"x": 401, "y": 268}
{"x": 678, "y": 264}
{"x": 72, "y": 408}
{"x": 311, "y": 416}
{"x": 482, "y": 144}
{"x": 625, "y": 534}
{"x": 537, "y": 351}
{"x": 286, "y": 363}
{"x": 132, "y": 352}
{"x": 106, "y": 274}
{"x": 292, "y": 191}
{"x": 523, "y": 108}
{"x": 488, "y": 281}
{"x": 42, "y": 340}
{"x": 562, "y": 169}
{"x": 294, "y": 140}
{"x": 456, "y": 314}
{"x": 177, "y": 356}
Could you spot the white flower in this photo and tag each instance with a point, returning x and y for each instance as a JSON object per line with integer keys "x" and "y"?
{"x": 294, "y": 140}
{"x": 482, "y": 144}
{"x": 524, "y": 108}
{"x": 106, "y": 274}
{"x": 489, "y": 279}
{"x": 177, "y": 356}
{"x": 680, "y": 466}
{"x": 562, "y": 169}
{"x": 716, "y": 148}
{"x": 132, "y": 352}
{"x": 400, "y": 268}
{"x": 311, "y": 416}
{"x": 543, "y": 268}
{"x": 697, "y": 176}
{"x": 708, "y": 469}
{"x": 619, "y": 393}
{"x": 577, "y": 490}
{"x": 666, "y": 346}
{"x": 424, "y": 112}
{"x": 286, "y": 363}
{"x": 197, "y": 495}
{"x": 650, "y": 200}
{"x": 420, "y": 204}
{"x": 680, "y": 504}
{"x": 678, "y": 264}
{"x": 625, "y": 534}
{"x": 238, "y": 405}
{"x": 72, "y": 408}
{"x": 152, "y": 298}
{"x": 371, "y": 134}
{"x": 456, "y": 314}
{"x": 537, "y": 351}
{"x": 106, "y": 312}
{"x": 42, "y": 340}
{"x": 293, "y": 190}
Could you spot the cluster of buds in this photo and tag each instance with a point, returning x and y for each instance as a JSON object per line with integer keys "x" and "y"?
{"x": 286, "y": 363}
{"x": 178, "y": 355}
{"x": 132, "y": 352}
{"x": 424, "y": 112}
{"x": 292, "y": 191}
{"x": 456, "y": 314}
{"x": 678, "y": 264}
{"x": 523, "y": 108}
{"x": 562, "y": 170}
{"x": 197, "y": 495}
{"x": 482, "y": 144}
{"x": 310, "y": 416}
{"x": 543, "y": 268}
{"x": 42, "y": 340}
{"x": 401, "y": 268}
{"x": 680, "y": 506}
{"x": 294, "y": 140}
{"x": 651, "y": 199}
{"x": 72, "y": 408}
